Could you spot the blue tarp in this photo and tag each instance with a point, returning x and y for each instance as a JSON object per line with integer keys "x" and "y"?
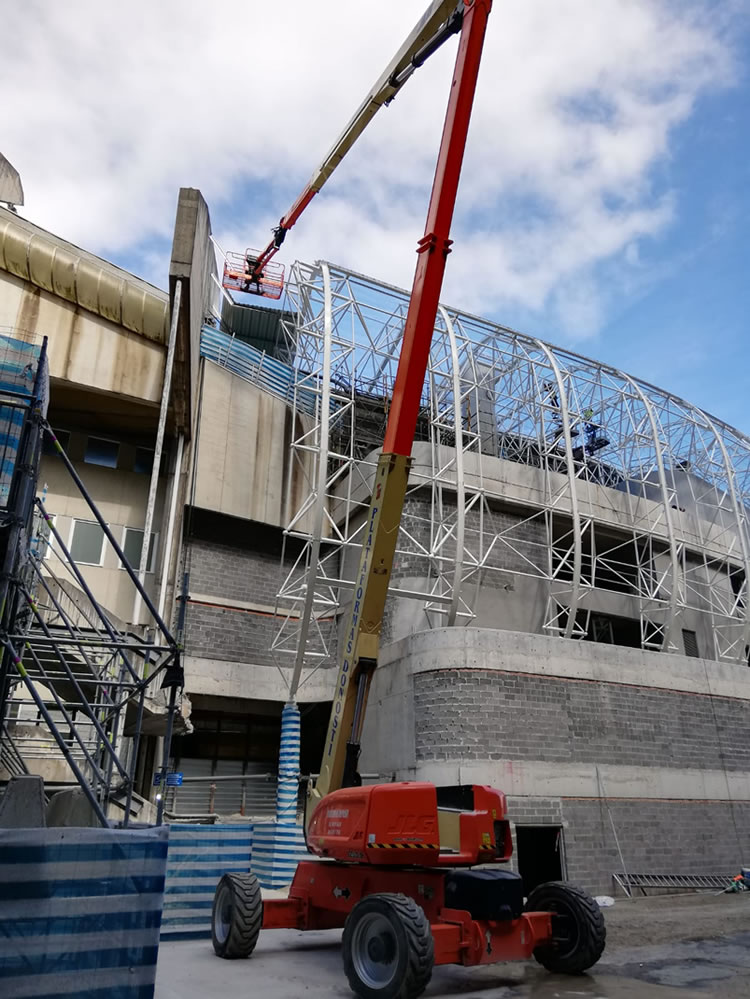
{"x": 80, "y": 911}
{"x": 19, "y": 363}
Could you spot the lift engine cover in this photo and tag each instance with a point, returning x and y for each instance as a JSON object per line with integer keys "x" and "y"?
{"x": 485, "y": 894}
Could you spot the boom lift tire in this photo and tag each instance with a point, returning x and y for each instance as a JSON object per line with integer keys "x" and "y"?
{"x": 237, "y": 915}
{"x": 578, "y": 939}
{"x": 387, "y": 948}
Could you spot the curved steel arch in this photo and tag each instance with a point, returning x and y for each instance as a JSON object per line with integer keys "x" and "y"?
{"x": 459, "y": 465}
{"x": 501, "y": 372}
{"x": 575, "y": 588}
{"x": 742, "y": 526}
{"x": 673, "y": 548}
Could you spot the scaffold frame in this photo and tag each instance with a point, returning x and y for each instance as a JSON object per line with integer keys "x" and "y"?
{"x": 628, "y": 488}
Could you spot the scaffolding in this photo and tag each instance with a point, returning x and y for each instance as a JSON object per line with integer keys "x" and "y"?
{"x": 76, "y": 685}
{"x": 529, "y": 461}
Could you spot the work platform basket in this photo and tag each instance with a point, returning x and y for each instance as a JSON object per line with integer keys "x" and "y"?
{"x": 238, "y": 275}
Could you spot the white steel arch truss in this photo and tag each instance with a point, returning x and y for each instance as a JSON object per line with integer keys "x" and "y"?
{"x": 615, "y": 511}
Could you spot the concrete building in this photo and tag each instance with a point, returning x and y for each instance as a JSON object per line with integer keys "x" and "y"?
{"x": 568, "y": 616}
{"x": 107, "y": 336}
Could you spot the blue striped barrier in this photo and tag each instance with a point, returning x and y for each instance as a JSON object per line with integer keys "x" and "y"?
{"x": 198, "y": 856}
{"x": 80, "y": 911}
{"x": 18, "y": 367}
{"x": 277, "y": 849}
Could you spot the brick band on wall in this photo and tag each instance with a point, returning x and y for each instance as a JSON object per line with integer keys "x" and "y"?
{"x": 476, "y": 714}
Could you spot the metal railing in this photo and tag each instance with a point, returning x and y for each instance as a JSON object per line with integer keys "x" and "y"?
{"x": 253, "y": 795}
{"x": 250, "y": 795}
{"x": 695, "y": 882}
{"x": 10, "y": 759}
{"x": 256, "y": 366}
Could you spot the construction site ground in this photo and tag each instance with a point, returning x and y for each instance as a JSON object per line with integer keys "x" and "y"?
{"x": 679, "y": 946}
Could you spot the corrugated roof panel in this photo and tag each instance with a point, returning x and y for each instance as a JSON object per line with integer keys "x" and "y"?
{"x": 257, "y": 325}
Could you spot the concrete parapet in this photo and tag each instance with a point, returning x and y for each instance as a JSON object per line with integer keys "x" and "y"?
{"x": 22, "y": 806}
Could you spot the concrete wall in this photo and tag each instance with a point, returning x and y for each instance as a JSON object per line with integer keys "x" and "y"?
{"x": 515, "y": 586}
{"x": 244, "y": 463}
{"x": 664, "y": 837}
{"x": 85, "y": 349}
{"x": 120, "y": 496}
{"x": 529, "y": 488}
{"x": 231, "y": 623}
{"x": 573, "y": 723}
{"x": 192, "y": 262}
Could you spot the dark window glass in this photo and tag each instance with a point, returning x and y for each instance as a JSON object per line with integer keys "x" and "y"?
{"x": 100, "y": 451}
{"x": 63, "y": 437}
{"x": 690, "y": 640}
{"x": 144, "y": 460}
{"x": 132, "y": 544}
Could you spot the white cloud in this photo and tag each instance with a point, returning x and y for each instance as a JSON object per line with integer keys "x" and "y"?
{"x": 108, "y": 110}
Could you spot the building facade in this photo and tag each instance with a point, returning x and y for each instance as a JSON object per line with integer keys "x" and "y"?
{"x": 568, "y": 613}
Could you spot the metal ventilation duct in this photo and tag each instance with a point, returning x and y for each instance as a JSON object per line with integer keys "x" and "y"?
{"x": 82, "y": 278}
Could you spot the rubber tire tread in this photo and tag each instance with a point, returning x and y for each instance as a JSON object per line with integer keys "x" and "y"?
{"x": 589, "y": 919}
{"x": 246, "y": 919}
{"x": 420, "y": 949}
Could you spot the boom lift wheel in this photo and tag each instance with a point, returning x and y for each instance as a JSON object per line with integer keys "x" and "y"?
{"x": 237, "y": 915}
{"x": 387, "y": 948}
{"x": 578, "y": 930}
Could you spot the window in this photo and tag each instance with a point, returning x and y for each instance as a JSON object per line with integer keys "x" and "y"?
{"x": 42, "y": 538}
{"x": 144, "y": 460}
{"x": 100, "y": 451}
{"x": 690, "y": 641}
{"x": 132, "y": 542}
{"x": 87, "y": 542}
{"x": 63, "y": 439}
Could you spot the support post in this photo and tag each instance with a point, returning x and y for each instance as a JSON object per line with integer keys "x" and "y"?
{"x": 361, "y": 638}
{"x": 287, "y": 788}
{"x": 154, "y": 484}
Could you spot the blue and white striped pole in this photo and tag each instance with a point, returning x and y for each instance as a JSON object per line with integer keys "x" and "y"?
{"x": 288, "y": 786}
{"x": 289, "y": 838}
{"x": 279, "y": 845}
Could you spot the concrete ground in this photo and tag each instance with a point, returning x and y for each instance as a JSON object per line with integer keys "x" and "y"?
{"x": 683, "y": 947}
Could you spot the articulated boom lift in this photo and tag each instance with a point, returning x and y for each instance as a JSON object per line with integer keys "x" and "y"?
{"x": 394, "y": 868}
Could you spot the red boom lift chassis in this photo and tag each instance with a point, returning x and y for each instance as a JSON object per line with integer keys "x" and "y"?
{"x": 409, "y": 870}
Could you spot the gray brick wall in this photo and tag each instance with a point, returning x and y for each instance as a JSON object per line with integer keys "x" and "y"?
{"x": 691, "y": 837}
{"x": 234, "y": 635}
{"x": 224, "y": 571}
{"x": 484, "y": 714}
{"x": 656, "y": 837}
{"x": 535, "y": 811}
{"x": 214, "y": 631}
{"x": 520, "y": 544}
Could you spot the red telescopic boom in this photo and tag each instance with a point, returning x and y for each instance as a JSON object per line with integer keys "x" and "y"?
{"x": 441, "y": 20}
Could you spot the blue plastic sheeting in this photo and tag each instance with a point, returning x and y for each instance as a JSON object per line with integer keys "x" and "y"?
{"x": 277, "y": 849}
{"x": 257, "y": 367}
{"x": 18, "y": 367}
{"x": 198, "y": 856}
{"x": 287, "y": 790}
{"x": 80, "y": 912}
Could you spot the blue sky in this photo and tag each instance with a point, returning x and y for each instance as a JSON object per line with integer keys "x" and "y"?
{"x": 688, "y": 329}
{"x": 604, "y": 201}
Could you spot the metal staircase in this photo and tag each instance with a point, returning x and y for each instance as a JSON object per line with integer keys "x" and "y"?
{"x": 77, "y": 687}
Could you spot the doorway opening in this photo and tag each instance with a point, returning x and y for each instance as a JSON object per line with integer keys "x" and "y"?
{"x": 539, "y": 855}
